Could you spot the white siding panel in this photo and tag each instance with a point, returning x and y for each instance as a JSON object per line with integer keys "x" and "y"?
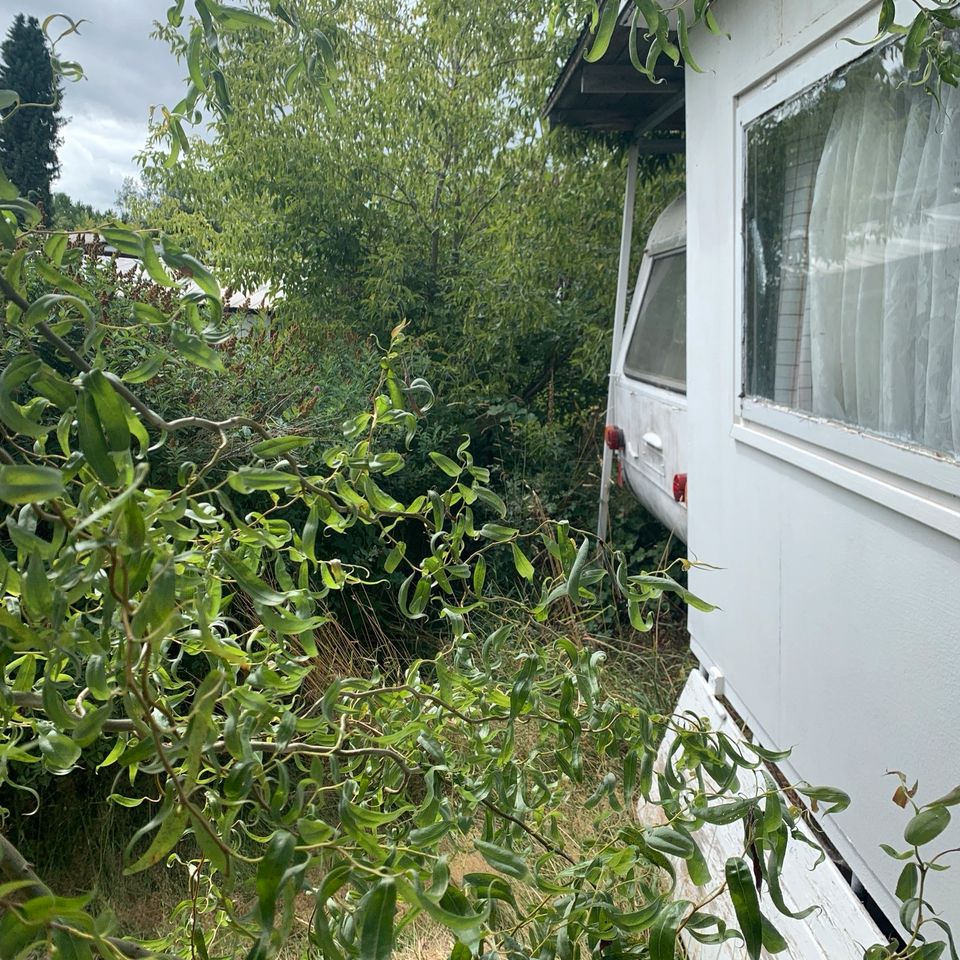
{"x": 839, "y": 932}
{"x": 839, "y": 631}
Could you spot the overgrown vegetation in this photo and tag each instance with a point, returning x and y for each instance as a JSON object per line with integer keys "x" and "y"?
{"x": 428, "y": 194}
{"x": 165, "y": 625}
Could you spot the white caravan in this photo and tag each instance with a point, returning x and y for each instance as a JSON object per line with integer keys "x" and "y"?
{"x": 647, "y": 418}
{"x": 821, "y": 432}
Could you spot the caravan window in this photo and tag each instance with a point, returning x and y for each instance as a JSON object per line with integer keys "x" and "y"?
{"x": 852, "y": 243}
{"x": 658, "y": 347}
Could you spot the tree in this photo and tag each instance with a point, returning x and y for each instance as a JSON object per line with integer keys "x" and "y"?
{"x": 434, "y": 197}
{"x": 29, "y": 137}
{"x": 68, "y": 214}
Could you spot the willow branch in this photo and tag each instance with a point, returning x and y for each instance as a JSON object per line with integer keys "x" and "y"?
{"x": 539, "y": 837}
{"x": 148, "y": 413}
{"x": 33, "y": 701}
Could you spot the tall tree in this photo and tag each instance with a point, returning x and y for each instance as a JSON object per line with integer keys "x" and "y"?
{"x": 428, "y": 192}
{"x": 29, "y": 137}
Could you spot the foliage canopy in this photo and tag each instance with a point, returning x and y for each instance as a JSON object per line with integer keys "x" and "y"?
{"x": 162, "y": 629}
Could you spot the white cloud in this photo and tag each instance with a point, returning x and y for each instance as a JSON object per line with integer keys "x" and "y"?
{"x": 96, "y": 156}
{"x": 126, "y": 73}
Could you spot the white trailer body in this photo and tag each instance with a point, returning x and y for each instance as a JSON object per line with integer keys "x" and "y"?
{"x": 837, "y": 543}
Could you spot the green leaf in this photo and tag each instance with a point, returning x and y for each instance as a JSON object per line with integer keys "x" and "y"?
{"x": 523, "y": 566}
{"x": 497, "y": 532}
{"x": 429, "y": 835}
{"x": 928, "y": 824}
{"x": 273, "y": 864}
{"x": 151, "y": 260}
{"x": 237, "y": 18}
{"x": 70, "y": 947}
{"x": 277, "y": 446}
{"x": 149, "y": 314}
{"x": 194, "y": 349}
{"x": 608, "y": 23}
{"x": 908, "y": 882}
{"x": 251, "y": 479}
{"x": 888, "y": 12}
{"x": 670, "y": 841}
{"x": 194, "y": 54}
{"x": 159, "y": 602}
{"x": 490, "y": 499}
{"x": 914, "y": 43}
{"x": 479, "y": 574}
{"x": 576, "y": 571}
{"x": 450, "y": 468}
{"x": 57, "y": 279}
{"x": 7, "y": 190}
{"x": 29, "y": 484}
{"x": 950, "y": 799}
{"x": 172, "y": 821}
{"x": 891, "y": 852}
{"x": 59, "y": 752}
{"x": 502, "y": 859}
{"x": 773, "y": 940}
{"x": 19, "y": 370}
{"x": 147, "y": 370}
{"x": 395, "y": 556}
{"x": 93, "y": 442}
{"x": 287, "y": 624}
{"x": 88, "y": 730}
{"x": 684, "y": 42}
{"x": 200, "y": 720}
{"x": 743, "y": 895}
{"x": 44, "y": 305}
{"x": 58, "y": 391}
{"x": 251, "y": 584}
{"x": 376, "y": 930}
{"x": 200, "y": 275}
{"x": 124, "y": 241}
{"x": 709, "y": 18}
{"x": 837, "y": 800}
{"x": 662, "y": 944}
{"x": 110, "y": 410}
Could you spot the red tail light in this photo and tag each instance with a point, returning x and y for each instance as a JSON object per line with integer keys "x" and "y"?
{"x": 613, "y": 437}
{"x": 680, "y": 487}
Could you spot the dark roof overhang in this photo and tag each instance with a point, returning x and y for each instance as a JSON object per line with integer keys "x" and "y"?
{"x": 611, "y": 95}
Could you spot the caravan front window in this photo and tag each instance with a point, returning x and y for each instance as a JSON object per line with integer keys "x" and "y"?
{"x": 852, "y": 244}
{"x": 658, "y": 347}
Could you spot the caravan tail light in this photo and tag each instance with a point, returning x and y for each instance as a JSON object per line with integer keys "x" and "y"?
{"x": 613, "y": 437}
{"x": 680, "y": 487}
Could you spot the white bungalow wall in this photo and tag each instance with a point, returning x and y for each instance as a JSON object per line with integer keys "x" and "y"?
{"x": 839, "y": 631}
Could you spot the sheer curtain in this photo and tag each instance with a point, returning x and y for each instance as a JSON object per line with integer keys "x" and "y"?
{"x": 883, "y": 264}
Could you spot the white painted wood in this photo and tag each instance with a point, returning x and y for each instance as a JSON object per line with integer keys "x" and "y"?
{"x": 619, "y": 313}
{"x": 838, "y": 555}
{"x": 840, "y": 931}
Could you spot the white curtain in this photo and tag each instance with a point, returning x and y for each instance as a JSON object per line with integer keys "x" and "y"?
{"x": 881, "y": 306}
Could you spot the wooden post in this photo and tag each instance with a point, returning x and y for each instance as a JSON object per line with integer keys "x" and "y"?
{"x": 619, "y": 315}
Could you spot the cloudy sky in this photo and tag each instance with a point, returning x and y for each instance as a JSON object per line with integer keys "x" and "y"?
{"x": 126, "y": 72}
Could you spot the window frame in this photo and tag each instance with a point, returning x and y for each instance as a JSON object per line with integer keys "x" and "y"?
{"x": 911, "y": 479}
{"x": 643, "y": 281}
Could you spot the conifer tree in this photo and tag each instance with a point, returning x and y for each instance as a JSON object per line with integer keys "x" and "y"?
{"x": 29, "y": 138}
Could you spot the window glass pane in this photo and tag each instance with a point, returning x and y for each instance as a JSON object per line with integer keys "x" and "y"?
{"x": 853, "y": 254}
{"x": 658, "y": 347}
